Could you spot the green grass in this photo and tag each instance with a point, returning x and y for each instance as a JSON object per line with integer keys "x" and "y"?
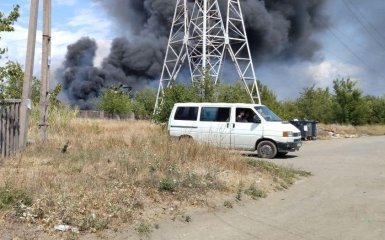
{"x": 254, "y": 192}
{"x": 168, "y": 184}
{"x": 283, "y": 174}
{"x": 10, "y": 197}
{"x": 144, "y": 229}
{"x": 94, "y": 223}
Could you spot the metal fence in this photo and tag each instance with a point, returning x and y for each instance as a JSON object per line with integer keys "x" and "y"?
{"x": 9, "y": 127}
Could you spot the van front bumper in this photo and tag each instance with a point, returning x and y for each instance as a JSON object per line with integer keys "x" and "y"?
{"x": 289, "y": 146}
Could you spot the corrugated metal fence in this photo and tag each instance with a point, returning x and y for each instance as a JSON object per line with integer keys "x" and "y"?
{"x": 9, "y": 127}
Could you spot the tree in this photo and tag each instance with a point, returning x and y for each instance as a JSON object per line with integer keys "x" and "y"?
{"x": 176, "y": 94}
{"x": 143, "y": 103}
{"x": 115, "y": 102}
{"x": 234, "y": 93}
{"x": 377, "y": 107}
{"x": 289, "y": 110}
{"x": 316, "y": 104}
{"x": 269, "y": 99}
{"x": 206, "y": 88}
{"x": 11, "y": 79}
{"x": 350, "y": 106}
{"x": 6, "y": 23}
{"x": 53, "y": 97}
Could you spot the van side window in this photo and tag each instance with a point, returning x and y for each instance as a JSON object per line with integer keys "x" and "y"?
{"x": 244, "y": 115}
{"x": 215, "y": 114}
{"x": 186, "y": 113}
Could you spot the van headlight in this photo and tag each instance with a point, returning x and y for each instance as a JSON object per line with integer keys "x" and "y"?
{"x": 287, "y": 134}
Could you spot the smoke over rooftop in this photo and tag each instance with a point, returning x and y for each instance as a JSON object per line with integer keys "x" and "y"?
{"x": 277, "y": 29}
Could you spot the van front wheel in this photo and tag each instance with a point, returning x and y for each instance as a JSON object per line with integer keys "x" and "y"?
{"x": 266, "y": 149}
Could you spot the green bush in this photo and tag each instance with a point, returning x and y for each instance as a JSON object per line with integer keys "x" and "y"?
{"x": 144, "y": 103}
{"x": 255, "y": 192}
{"x": 178, "y": 93}
{"x": 10, "y": 197}
{"x": 114, "y": 101}
{"x": 167, "y": 184}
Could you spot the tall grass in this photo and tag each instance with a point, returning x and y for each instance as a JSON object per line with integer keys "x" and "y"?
{"x": 350, "y": 130}
{"x": 116, "y": 172}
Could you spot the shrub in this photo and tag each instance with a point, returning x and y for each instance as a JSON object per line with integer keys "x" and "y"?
{"x": 255, "y": 192}
{"x": 10, "y": 197}
{"x": 114, "y": 101}
{"x": 167, "y": 184}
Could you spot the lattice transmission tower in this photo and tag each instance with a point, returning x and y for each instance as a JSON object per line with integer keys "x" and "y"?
{"x": 199, "y": 36}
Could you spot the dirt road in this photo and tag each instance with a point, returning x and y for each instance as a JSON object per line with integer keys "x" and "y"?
{"x": 345, "y": 199}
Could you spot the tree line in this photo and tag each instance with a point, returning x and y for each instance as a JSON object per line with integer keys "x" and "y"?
{"x": 344, "y": 104}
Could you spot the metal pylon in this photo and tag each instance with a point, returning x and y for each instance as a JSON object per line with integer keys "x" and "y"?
{"x": 206, "y": 40}
{"x": 202, "y": 38}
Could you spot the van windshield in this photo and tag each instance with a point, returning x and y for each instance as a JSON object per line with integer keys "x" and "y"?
{"x": 267, "y": 114}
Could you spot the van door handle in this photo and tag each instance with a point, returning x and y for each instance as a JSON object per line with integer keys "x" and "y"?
{"x": 233, "y": 125}
{"x": 228, "y": 125}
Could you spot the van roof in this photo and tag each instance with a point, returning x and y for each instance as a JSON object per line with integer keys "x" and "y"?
{"x": 198, "y": 104}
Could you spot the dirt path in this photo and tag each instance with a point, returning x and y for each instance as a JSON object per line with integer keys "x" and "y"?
{"x": 345, "y": 199}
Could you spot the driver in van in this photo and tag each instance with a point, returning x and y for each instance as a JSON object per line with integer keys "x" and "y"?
{"x": 242, "y": 116}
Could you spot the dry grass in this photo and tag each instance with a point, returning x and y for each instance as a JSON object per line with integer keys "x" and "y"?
{"x": 326, "y": 131}
{"x": 116, "y": 172}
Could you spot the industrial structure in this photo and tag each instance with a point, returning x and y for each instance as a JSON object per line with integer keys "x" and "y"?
{"x": 200, "y": 36}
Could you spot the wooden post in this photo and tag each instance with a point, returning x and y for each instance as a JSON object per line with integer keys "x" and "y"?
{"x": 45, "y": 70}
{"x": 26, "y": 103}
{"x": 11, "y": 128}
{"x": 2, "y": 127}
{"x": 7, "y": 127}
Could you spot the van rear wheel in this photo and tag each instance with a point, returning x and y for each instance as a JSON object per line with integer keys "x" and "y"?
{"x": 185, "y": 137}
{"x": 266, "y": 149}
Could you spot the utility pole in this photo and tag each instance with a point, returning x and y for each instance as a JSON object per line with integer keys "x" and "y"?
{"x": 45, "y": 70}
{"x": 26, "y": 103}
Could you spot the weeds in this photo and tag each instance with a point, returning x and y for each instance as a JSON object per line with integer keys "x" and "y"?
{"x": 349, "y": 130}
{"x": 144, "y": 229}
{"x": 283, "y": 174}
{"x": 187, "y": 218}
{"x": 93, "y": 222}
{"x": 168, "y": 184}
{"x": 10, "y": 197}
{"x": 227, "y": 204}
{"x": 255, "y": 192}
{"x": 238, "y": 197}
{"x": 116, "y": 172}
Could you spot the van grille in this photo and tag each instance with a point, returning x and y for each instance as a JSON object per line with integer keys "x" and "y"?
{"x": 296, "y": 134}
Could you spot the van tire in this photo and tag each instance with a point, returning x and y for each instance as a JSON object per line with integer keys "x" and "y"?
{"x": 266, "y": 149}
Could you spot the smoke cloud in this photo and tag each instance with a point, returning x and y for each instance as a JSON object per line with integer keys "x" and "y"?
{"x": 277, "y": 29}
{"x": 81, "y": 80}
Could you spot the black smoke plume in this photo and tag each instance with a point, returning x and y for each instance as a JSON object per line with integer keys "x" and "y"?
{"x": 81, "y": 80}
{"x": 277, "y": 29}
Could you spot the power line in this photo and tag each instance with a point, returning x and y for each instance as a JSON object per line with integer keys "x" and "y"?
{"x": 352, "y": 52}
{"x": 359, "y": 20}
{"x": 358, "y": 11}
{"x": 381, "y": 54}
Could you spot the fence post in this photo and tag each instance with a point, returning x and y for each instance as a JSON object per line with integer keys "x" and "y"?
{"x": 9, "y": 127}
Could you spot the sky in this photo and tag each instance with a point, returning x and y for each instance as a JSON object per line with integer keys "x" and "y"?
{"x": 352, "y": 46}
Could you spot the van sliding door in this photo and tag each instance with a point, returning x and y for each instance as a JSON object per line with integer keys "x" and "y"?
{"x": 214, "y": 127}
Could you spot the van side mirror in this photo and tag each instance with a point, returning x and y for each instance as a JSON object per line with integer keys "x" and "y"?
{"x": 256, "y": 119}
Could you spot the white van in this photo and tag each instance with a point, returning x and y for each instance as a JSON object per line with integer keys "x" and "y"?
{"x": 249, "y": 127}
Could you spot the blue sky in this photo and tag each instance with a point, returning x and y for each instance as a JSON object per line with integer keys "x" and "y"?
{"x": 353, "y": 46}
{"x": 71, "y": 20}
